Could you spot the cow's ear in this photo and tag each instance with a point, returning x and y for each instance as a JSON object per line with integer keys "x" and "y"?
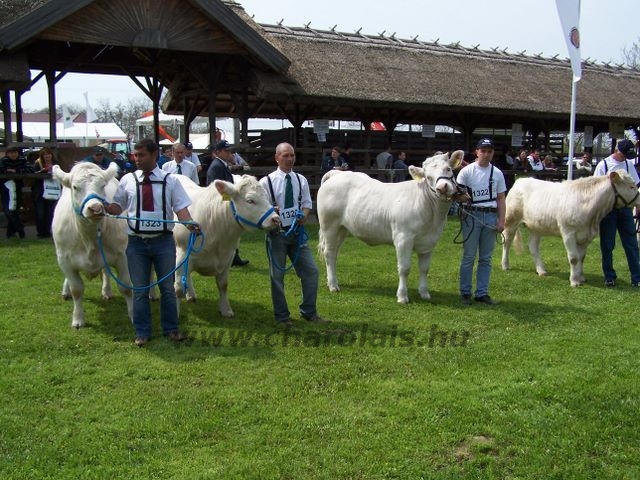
{"x": 456, "y": 159}
{"x": 226, "y": 189}
{"x": 614, "y": 177}
{"x": 60, "y": 175}
{"x": 416, "y": 173}
{"x": 111, "y": 171}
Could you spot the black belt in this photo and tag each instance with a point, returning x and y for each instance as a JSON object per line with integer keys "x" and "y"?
{"x": 483, "y": 209}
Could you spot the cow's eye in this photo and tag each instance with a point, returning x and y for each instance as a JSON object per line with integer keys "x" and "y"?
{"x": 251, "y": 202}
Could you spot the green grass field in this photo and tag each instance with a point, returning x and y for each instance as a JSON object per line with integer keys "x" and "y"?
{"x": 544, "y": 385}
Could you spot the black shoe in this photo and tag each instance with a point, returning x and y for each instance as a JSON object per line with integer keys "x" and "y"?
{"x": 315, "y": 319}
{"x": 610, "y": 283}
{"x": 286, "y": 323}
{"x": 486, "y": 299}
{"x": 21, "y": 234}
{"x": 465, "y": 299}
{"x": 637, "y": 284}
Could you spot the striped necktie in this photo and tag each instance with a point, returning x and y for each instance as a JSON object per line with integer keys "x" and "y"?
{"x": 288, "y": 192}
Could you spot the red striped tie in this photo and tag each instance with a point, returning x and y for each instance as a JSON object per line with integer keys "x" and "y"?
{"x": 147, "y": 193}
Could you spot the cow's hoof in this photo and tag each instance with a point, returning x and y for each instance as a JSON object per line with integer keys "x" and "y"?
{"x": 77, "y": 325}
{"x": 66, "y": 296}
{"x": 425, "y": 295}
{"x": 505, "y": 266}
{"x": 191, "y": 299}
{"x": 107, "y": 296}
{"x": 542, "y": 274}
{"x": 404, "y": 300}
{"x": 334, "y": 289}
{"x": 228, "y": 314}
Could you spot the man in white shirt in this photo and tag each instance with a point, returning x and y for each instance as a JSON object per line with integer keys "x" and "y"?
{"x": 181, "y": 166}
{"x": 192, "y": 156}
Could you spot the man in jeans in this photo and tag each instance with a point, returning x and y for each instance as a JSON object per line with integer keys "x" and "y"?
{"x": 481, "y": 220}
{"x": 140, "y": 195}
{"x": 620, "y": 219}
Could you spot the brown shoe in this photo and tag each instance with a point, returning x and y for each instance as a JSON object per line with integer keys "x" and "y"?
{"x": 288, "y": 323}
{"x": 176, "y": 336}
{"x": 141, "y": 341}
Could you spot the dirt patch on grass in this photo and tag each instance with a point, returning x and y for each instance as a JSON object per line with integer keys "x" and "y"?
{"x": 469, "y": 448}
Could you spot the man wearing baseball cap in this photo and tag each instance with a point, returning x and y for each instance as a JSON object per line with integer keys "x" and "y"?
{"x": 620, "y": 219}
{"x": 220, "y": 169}
{"x": 192, "y": 156}
{"x": 480, "y": 222}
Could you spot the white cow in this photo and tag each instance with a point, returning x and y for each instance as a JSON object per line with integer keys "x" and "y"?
{"x": 572, "y": 210}
{"x": 410, "y": 215}
{"x": 76, "y": 220}
{"x": 213, "y": 208}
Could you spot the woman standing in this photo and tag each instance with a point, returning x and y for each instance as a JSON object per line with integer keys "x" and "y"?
{"x": 45, "y": 193}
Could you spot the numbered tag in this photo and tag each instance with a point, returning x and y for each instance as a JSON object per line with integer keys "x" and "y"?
{"x": 152, "y": 222}
{"x": 226, "y": 197}
{"x": 288, "y": 216}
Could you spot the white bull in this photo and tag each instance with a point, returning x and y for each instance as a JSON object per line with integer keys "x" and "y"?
{"x": 76, "y": 219}
{"x": 213, "y": 208}
{"x": 410, "y": 215}
{"x": 572, "y": 210}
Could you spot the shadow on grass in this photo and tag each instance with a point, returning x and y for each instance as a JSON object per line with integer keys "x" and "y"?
{"x": 252, "y": 333}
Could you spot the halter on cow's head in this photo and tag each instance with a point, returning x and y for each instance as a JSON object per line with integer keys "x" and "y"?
{"x": 249, "y": 203}
{"x": 86, "y": 183}
{"x": 625, "y": 189}
{"x": 437, "y": 173}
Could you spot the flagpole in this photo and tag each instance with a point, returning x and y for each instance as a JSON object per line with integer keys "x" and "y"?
{"x": 572, "y": 129}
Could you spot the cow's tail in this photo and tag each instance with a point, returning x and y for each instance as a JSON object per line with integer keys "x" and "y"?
{"x": 517, "y": 241}
{"x": 322, "y": 241}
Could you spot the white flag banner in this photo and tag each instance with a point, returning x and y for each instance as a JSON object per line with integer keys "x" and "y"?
{"x": 91, "y": 115}
{"x": 66, "y": 117}
{"x": 569, "y": 13}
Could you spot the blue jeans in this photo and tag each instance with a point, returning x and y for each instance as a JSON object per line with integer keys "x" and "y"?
{"x": 480, "y": 240}
{"x": 279, "y": 248}
{"x": 142, "y": 254}
{"x": 620, "y": 219}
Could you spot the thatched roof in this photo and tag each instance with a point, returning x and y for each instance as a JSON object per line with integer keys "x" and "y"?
{"x": 357, "y": 68}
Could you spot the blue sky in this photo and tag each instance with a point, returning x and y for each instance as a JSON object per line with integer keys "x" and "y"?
{"x": 531, "y": 25}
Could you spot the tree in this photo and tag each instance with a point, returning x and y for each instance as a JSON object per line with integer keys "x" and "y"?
{"x": 631, "y": 55}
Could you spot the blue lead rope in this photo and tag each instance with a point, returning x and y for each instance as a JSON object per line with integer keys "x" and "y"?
{"x": 302, "y": 237}
{"x": 191, "y": 248}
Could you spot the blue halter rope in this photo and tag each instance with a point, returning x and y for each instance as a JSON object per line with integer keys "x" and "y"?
{"x": 240, "y": 219}
{"x": 302, "y": 237}
{"x": 191, "y": 248}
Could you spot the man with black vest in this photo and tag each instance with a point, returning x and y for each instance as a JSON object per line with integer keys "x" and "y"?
{"x": 150, "y": 196}
{"x": 480, "y": 221}
{"x": 220, "y": 169}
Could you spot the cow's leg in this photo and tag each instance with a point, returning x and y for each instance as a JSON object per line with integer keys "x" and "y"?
{"x": 573, "y": 255}
{"x": 508, "y": 234}
{"x": 223, "y": 302}
{"x": 582, "y": 253}
{"x": 181, "y": 292}
{"x": 107, "y": 293}
{"x": 66, "y": 291}
{"x": 332, "y": 239}
{"x": 76, "y": 288}
{"x": 534, "y": 248}
{"x": 424, "y": 261}
{"x": 122, "y": 268}
{"x": 154, "y": 294}
{"x": 403, "y": 254}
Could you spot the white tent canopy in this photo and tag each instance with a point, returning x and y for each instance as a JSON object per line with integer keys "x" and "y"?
{"x": 80, "y": 133}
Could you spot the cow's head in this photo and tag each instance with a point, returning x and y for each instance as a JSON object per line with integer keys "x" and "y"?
{"x": 437, "y": 173}
{"x": 625, "y": 188}
{"x": 249, "y": 202}
{"x": 87, "y": 183}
